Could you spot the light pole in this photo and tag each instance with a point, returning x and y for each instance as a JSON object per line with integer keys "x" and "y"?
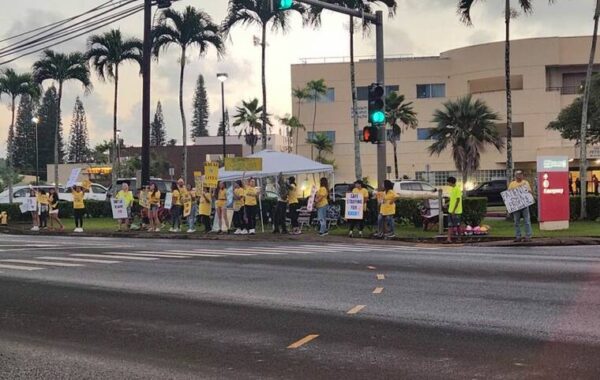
{"x": 118, "y": 153}
{"x": 36, "y": 120}
{"x": 222, "y": 77}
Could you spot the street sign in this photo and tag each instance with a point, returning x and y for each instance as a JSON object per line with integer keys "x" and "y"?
{"x": 553, "y": 192}
{"x": 243, "y": 164}
{"x": 211, "y": 174}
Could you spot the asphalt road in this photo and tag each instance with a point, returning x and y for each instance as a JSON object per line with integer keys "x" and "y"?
{"x": 98, "y": 308}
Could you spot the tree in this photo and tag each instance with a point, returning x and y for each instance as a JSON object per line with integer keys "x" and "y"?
{"x": 201, "y": 112}
{"x": 467, "y": 126}
{"x": 23, "y": 158}
{"x": 301, "y": 95}
{"x": 49, "y": 121}
{"x": 259, "y": 12}
{"x": 172, "y": 142}
{"x": 7, "y": 177}
{"x": 15, "y": 85}
{"x": 226, "y": 127}
{"x": 192, "y": 28}
{"x": 79, "y": 144}
{"x": 61, "y": 68}
{"x": 293, "y": 127}
{"x": 250, "y": 116}
{"x": 158, "y": 132}
{"x": 322, "y": 144}
{"x": 399, "y": 115}
{"x": 316, "y": 89}
{"x": 464, "y": 10}
{"x": 101, "y": 154}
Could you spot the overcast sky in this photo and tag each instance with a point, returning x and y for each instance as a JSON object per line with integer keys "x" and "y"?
{"x": 420, "y": 27}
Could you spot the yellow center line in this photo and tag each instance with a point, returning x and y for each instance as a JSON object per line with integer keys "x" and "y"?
{"x": 377, "y": 290}
{"x": 356, "y": 309}
{"x": 303, "y": 341}
{"x": 381, "y": 276}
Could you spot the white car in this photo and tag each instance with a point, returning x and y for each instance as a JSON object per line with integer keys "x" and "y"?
{"x": 97, "y": 192}
{"x": 415, "y": 190}
{"x": 23, "y": 191}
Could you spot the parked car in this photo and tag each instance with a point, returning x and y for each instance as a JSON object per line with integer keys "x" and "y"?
{"x": 415, "y": 189}
{"x": 97, "y": 192}
{"x": 22, "y": 191}
{"x": 340, "y": 189}
{"x": 490, "y": 190}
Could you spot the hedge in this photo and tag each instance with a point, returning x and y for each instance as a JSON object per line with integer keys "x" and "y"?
{"x": 94, "y": 209}
{"x": 592, "y": 206}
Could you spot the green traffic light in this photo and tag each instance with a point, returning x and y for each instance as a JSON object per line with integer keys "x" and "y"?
{"x": 285, "y": 4}
{"x": 377, "y": 117}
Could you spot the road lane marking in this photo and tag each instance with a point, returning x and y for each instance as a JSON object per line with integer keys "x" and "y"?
{"x": 356, "y": 309}
{"x": 18, "y": 267}
{"x": 159, "y": 255}
{"x": 303, "y": 341}
{"x": 371, "y": 267}
{"x": 378, "y": 290}
{"x": 114, "y": 256}
{"x": 91, "y": 261}
{"x": 185, "y": 253}
{"x": 240, "y": 251}
{"x": 222, "y": 254}
{"x": 381, "y": 276}
{"x": 38, "y": 262}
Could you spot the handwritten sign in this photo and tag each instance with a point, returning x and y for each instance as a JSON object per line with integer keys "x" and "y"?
{"x": 198, "y": 183}
{"x": 168, "y": 201}
{"x": 29, "y": 205}
{"x": 211, "y": 174}
{"x": 310, "y": 205}
{"x": 517, "y": 199}
{"x": 354, "y": 206}
{"x": 186, "y": 199}
{"x": 119, "y": 210}
{"x": 243, "y": 164}
{"x": 73, "y": 177}
{"x": 144, "y": 201}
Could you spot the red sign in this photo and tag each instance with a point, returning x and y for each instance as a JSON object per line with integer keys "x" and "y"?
{"x": 553, "y": 189}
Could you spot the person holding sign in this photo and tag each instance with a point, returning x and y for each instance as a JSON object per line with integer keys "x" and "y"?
{"x": 221, "y": 208}
{"x": 53, "y": 206}
{"x": 359, "y": 189}
{"x": 126, "y": 196}
{"x": 238, "y": 207}
{"x": 42, "y": 199}
{"x": 321, "y": 203}
{"x": 251, "y": 195}
{"x": 279, "y": 222}
{"x": 177, "y": 208}
{"x": 454, "y": 209}
{"x": 78, "y": 207}
{"x": 33, "y": 207}
{"x": 523, "y": 213}
{"x": 205, "y": 209}
{"x": 294, "y": 205}
{"x": 387, "y": 211}
{"x": 154, "y": 200}
{"x": 191, "y": 208}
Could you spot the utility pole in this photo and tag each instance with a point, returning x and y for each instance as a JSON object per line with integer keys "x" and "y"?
{"x": 146, "y": 71}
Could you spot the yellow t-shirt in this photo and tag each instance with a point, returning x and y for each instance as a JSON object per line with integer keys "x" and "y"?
{"x": 42, "y": 199}
{"x": 238, "y": 203}
{"x": 221, "y": 198}
{"x": 388, "y": 207}
{"x": 205, "y": 205}
{"x": 154, "y": 198}
{"x": 455, "y": 201}
{"x": 250, "y": 198}
{"x": 176, "y": 198}
{"x": 78, "y": 200}
{"x": 126, "y": 196}
{"x": 322, "y": 194}
{"x": 292, "y": 195}
{"x": 514, "y": 184}
{"x": 363, "y": 191}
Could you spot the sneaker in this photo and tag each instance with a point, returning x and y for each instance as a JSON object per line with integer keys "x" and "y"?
{"x": 252, "y": 232}
{"x": 390, "y": 235}
{"x": 237, "y": 232}
{"x": 35, "y": 228}
{"x": 189, "y": 231}
{"x": 359, "y": 233}
{"x": 157, "y": 229}
{"x": 171, "y": 229}
{"x": 244, "y": 232}
{"x": 350, "y": 233}
{"x": 324, "y": 233}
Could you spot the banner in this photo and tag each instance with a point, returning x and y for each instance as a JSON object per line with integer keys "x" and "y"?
{"x": 73, "y": 177}
{"x": 86, "y": 184}
{"x": 168, "y": 201}
{"x": 243, "y": 164}
{"x": 29, "y": 205}
{"x": 354, "y": 206}
{"x": 211, "y": 174}
{"x": 144, "y": 201}
{"x": 310, "y": 205}
{"x": 119, "y": 210}
{"x": 517, "y": 199}
{"x": 198, "y": 183}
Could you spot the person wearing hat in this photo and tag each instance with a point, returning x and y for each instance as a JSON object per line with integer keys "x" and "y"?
{"x": 352, "y": 223}
{"x": 523, "y": 213}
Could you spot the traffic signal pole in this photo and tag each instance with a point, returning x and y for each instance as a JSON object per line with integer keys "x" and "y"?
{"x": 377, "y": 20}
{"x": 146, "y": 66}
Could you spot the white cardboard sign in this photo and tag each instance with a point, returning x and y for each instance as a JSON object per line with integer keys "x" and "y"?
{"x": 517, "y": 199}
{"x": 73, "y": 177}
{"x": 354, "y": 206}
{"x": 119, "y": 210}
{"x": 168, "y": 201}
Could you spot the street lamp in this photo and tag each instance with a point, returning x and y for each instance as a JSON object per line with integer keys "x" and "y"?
{"x": 36, "y": 120}
{"x": 118, "y": 152}
{"x": 223, "y": 77}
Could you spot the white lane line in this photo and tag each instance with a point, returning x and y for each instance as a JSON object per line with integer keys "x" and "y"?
{"x": 123, "y": 257}
{"x": 227, "y": 253}
{"x": 57, "y": 248}
{"x": 18, "y": 267}
{"x": 38, "y": 262}
{"x": 252, "y": 251}
{"x": 153, "y": 254}
{"x": 91, "y": 261}
{"x": 185, "y": 253}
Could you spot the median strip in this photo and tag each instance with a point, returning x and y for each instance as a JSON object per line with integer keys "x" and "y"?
{"x": 303, "y": 341}
{"x": 356, "y": 309}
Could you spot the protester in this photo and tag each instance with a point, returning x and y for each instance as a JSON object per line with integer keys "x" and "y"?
{"x": 53, "y": 209}
{"x": 251, "y": 195}
{"x": 35, "y": 216}
{"x": 523, "y": 213}
{"x": 294, "y": 205}
{"x": 571, "y": 191}
{"x": 191, "y": 218}
{"x": 176, "y": 209}
{"x": 78, "y": 207}
{"x": 578, "y": 186}
{"x": 238, "y": 208}
{"x": 359, "y": 189}
{"x": 279, "y": 222}
{"x": 44, "y": 207}
{"x": 454, "y": 209}
{"x": 154, "y": 200}
{"x": 387, "y": 211}
{"x": 221, "y": 208}
{"x": 595, "y": 183}
{"x": 321, "y": 203}
{"x": 126, "y": 196}
{"x": 205, "y": 209}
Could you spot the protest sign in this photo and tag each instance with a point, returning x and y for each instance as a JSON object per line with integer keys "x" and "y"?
{"x": 211, "y": 174}
{"x": 73, "y": 177}
{"x": 29, "y": 205}
{"x": 243, "y": 164}
{"x": 198, "y": 183}
{"x": 144, "y": 201}
{"x": 354, "y": 206}
{"x": 168, "y": 201}
{"x": 186, "y": 199}
{"x": 517, "y": 199}
{"x": 119, "y": 210}
{"x": 310, "y": 205}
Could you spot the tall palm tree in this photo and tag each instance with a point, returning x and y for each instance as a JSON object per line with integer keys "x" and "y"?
{"x": 188, "y": 29}
{"x": 399, "y": 114}
{"x": 584, "y": 116}
{"x": 15, "y": 85}
{"x": 259, "y": 12}
{"x": 467, "y": 126}
{"x": 250, "y": 116}
{"x": 106, "y": 53}
{"x": 316, "y": 89}
{"x": 322, "y": 144}
{"x": 61, "y": 68}
{"x": 301, "y": 95}
{"x": 293, "y": 127}
{"x": 464, "y": 10}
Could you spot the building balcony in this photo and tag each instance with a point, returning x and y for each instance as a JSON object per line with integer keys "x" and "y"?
{"x": 566, "y": 90}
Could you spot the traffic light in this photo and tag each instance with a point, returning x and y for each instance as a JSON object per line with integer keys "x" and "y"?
{"x": 281, "y": 5}
{"x": 370, "y": 134}
{"x": 376, "y": 104}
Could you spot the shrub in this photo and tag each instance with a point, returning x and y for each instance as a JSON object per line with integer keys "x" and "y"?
{"x": 474, "y": 210}
{"x": 592, "y": 206}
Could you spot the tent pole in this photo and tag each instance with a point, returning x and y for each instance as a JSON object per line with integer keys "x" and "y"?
{"x": 262, "y": 222}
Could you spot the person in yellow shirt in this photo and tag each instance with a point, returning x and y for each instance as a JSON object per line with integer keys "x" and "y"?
{"x": 126, "y": 196}
{"x": 455, "y": 209}
{"x": 359, "y": 189}
{"x": 205, "y": 209}
{"x": 53, "y": 207}
{"x": 387, "y": 211}
{"x": 238, "y": 207}
{"x": 294, "y": 205}
{"x": 523, "y": 213}
{"x": 154, "y": 201}
{"x": 176, "y": 208}
{"x": 221, "y": 208}
{"x": 321, "y": 203}
{"x": 251, "y": 195}
{"x": 78, "y": 207}
{"x": 44, "y": 206}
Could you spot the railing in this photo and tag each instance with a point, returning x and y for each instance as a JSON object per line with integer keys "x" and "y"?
{"x": 566, "y": 90}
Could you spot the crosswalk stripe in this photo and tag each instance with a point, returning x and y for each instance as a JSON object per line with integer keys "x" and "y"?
{"x": 18, "y": 267}
{"x": 38, "y": 262}
{"x": 185, "y": 253}
{"x": 228, "y": 253}
{"x": 91, "y": 261}
{"x": 251, "y": 251}
{"x": 152, "y": 254}
{"x": 123, "y": 257}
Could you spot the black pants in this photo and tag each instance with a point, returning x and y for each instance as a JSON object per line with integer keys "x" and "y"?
{"x": 44, "y": 219}
{"x": 280, "y": 213}
{"x": 205, "y": 219}
{"x": 78, "y": 214}
{"x": 176, "y": 213}
{"x": 294, "y": 215}
{"x": 251, "y": 215}
{"x": 352, "y": 223}
{"x": 238, "y": 219}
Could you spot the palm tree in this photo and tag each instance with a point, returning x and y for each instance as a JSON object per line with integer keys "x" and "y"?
{"x": 467, "y": 126}
{"x": 259, "y": 12}
{"x": 106, "y": 53}
{"x": 250, "y": 115}
{"x": 301, "y": 95}
{"x": 584, "y": 116}
{"x": 293, "y": 127}
{"x": 399, "y": 114}
{"x": 316, "y": 89}
{"x": 464, "y": 10}
{"x": 321, "y": 143}
{"x": 192, "y": 28}
{"x": 15, "y": 85}
{"x": 60, "y": 68}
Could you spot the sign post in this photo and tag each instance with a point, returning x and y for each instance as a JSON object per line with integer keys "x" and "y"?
{"x": 553, "y": 192}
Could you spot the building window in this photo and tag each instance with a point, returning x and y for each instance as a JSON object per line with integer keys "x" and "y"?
{"x": 518, "y": 129}
{"x": 362, "y": 92}
{"x": 424, "y": 133}
{"x": 329, "y": 96}
{"x": 329, "y": 134}
{"x": 435, "y": 90}
{"x": 438, "y": 178}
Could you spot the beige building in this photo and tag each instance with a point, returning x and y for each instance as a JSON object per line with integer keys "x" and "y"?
{"x": 546, "y": 75}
